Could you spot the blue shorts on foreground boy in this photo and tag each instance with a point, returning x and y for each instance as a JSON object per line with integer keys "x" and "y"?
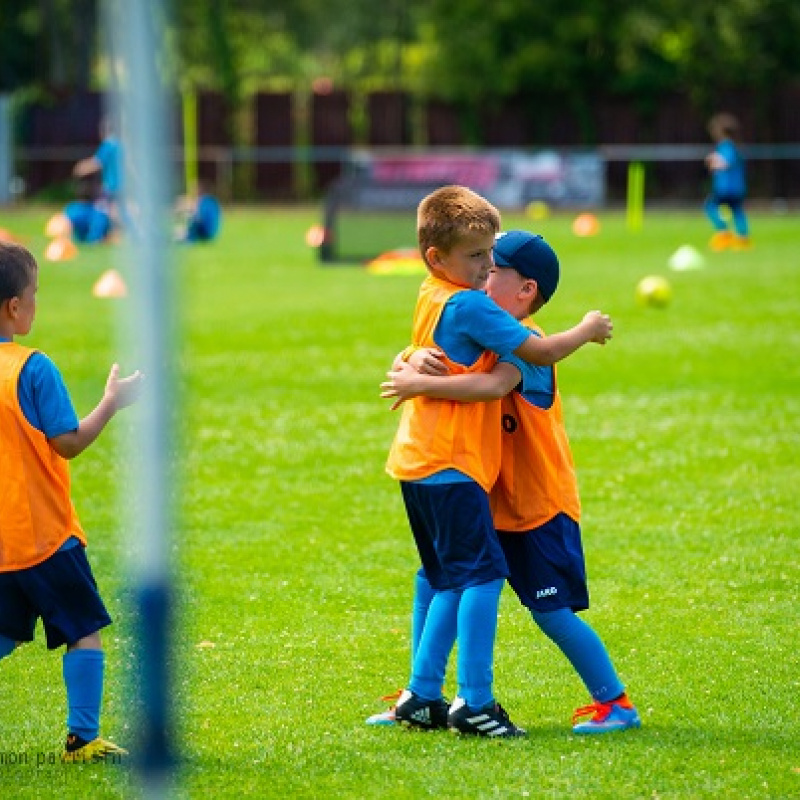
{"x": 44, "y": 573}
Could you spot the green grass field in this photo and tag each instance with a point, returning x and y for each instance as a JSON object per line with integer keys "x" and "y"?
{"x": 294, "y": 562}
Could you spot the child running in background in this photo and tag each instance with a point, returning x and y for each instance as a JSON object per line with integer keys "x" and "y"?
{"x": 446, "y": 455}
{"x": 728, "y": 185}
{"x": 535, "y": 504}
{"x": 43, "y": 568}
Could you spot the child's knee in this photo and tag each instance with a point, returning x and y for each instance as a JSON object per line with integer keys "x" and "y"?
{"x": 90, "y": 642}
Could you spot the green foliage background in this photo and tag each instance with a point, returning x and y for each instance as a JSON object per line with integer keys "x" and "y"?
{"x": 294, "y": 563}
{"x": 552, "y": 54}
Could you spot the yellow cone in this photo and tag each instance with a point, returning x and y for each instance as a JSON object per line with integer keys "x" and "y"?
{"x": 110, "y": 284}
{"x": 537, "y": 210}
{"x": 61, "y": 249}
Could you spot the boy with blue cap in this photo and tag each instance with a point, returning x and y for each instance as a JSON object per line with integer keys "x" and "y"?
{"x": 535, "y": 504}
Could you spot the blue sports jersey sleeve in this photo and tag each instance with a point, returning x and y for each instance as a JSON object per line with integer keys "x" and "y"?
{"x": 536, "y": 383}
{"x": 108, "y": 154}
{"x": 44, "y": 398}
{"x": 471, "y": 323}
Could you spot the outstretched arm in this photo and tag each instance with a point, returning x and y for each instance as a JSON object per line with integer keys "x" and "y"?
{"x": 119, "y": 393}
{"x": 405, "y": 382}
{"x": 87, "y": 166}
{"x": 546, "y": 351}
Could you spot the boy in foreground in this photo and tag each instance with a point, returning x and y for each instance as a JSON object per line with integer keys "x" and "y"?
{"x": 43, "y": 568}
{"x": 535, "y": 504}
{"x": 446, "y": 456}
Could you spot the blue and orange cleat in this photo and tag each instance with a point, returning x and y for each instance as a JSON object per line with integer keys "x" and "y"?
{"x": 618, "y": 715}
{"x": 386, "y": 717}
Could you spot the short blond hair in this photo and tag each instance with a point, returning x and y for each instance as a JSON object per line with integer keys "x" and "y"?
{"x": 449, "y": 214}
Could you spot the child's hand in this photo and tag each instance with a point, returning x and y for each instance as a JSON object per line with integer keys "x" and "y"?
{"x": 599, "y": 327}
{"x": 401, "y": 384}
{"x": 125, "y": 391}
{"x": 428, "y": 361}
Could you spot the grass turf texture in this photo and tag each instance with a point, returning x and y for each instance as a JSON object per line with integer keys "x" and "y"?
{"x": 294, "y": 558}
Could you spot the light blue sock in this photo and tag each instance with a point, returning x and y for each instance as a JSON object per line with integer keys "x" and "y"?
{"x": 584, "y": 650}
{"x": 477, "y": 626}
{"x": 713, "y": 213}
{"x": 83, "y": 677}
{"x": 423, "y": 594}
{"x": 6, "y": 646}
{"x": 739, "y": 219}
{"x": 435, "y": 644}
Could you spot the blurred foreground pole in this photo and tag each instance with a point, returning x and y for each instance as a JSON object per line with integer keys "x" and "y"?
{"x": 139, "y": 66}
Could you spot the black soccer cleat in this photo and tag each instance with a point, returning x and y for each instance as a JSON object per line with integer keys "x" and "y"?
{"x": 414, "y": 711}
{"x": 491, "y": 720}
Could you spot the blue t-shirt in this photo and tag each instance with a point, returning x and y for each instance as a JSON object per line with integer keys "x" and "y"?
{"x": 471, "y": 323}
{"x": 537, "y": 385}
{"x": 109, "y": 154}
{"x": 44, "y": 398}
{"x": 729, "y": 182}
{"x": 204, "y": 223}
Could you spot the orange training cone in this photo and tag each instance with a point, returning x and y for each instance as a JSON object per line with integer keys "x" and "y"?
{"x": 586, "y": 225}
{"x": 110, "y": 284}
{"x": 61, "y": 249}
{"x": 8, "y": 237}
{"x": 58, "y": 227}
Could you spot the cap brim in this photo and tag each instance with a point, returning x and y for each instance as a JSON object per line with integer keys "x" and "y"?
{"x": 500, "y": 261}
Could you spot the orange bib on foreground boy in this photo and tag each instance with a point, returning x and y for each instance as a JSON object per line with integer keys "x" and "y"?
{"x": 36, "y": 512}
{"x": 435, "y": 435}
{"x": 537, "y": 477}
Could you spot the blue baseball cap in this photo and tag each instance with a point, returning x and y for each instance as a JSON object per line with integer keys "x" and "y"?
{"x": 531, "y": 256}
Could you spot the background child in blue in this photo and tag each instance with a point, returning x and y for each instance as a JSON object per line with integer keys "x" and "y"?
{"x": 202, "y": 216}
{"x": 728, "y": 185}
{"x": 106, "y": 161}
{"x": 88, "y": 215}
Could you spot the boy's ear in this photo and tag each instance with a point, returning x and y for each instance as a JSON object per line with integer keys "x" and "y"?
{"x": 433, "y": 255}
{"x": 10, "y": 306}
{"x": 530, "y": 288}
{"x": 433, "y": 258}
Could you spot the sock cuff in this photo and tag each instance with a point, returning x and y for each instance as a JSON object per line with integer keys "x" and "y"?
{"x": 84, "y": 656}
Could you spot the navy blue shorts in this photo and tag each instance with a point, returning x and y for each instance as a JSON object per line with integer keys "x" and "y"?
{"x": 546, "y": 565}
{"x": 455, "y": 536}
{"x": 62, "y": 591}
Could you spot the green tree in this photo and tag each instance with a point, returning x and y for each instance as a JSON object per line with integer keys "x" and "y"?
{"x": 48, "y": 44}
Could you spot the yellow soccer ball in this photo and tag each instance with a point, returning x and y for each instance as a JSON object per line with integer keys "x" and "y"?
{"x": 654, "y": 291}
